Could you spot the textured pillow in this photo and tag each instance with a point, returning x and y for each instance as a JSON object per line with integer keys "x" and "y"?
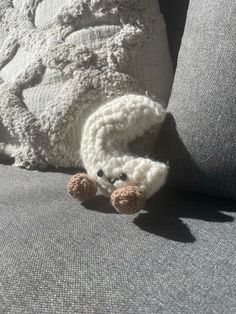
{"x": 199, "y": 135}
{"x": 61, "y": 60}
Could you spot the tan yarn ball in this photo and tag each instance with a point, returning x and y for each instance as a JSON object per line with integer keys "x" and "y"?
{"x": 128, "y": 200}
{"x": 82, "y": 187}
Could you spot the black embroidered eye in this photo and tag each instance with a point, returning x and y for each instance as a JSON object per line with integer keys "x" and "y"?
{"x": 100, "y": 173}
{"x": 123, "y": 176}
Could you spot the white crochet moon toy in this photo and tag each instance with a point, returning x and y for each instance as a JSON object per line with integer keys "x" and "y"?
{"x": 79, "y": 83}
{"x": 106, "y": 155}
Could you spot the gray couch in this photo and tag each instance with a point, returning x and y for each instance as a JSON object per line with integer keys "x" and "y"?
{"x": 61, "y": 257}
{"x": 57, "y": 256}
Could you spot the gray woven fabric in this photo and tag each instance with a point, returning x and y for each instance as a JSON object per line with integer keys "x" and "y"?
{"x": 175, "y": 16}
{"x": 59, "y": 257}
{"x": 61, "y": 60}
{"x": 199, "y": 136}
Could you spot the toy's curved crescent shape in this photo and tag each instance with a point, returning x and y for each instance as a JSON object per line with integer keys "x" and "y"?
{"x": 105, "y": 144}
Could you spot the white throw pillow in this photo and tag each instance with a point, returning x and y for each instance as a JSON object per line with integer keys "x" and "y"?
{"x": 61, "y": 62}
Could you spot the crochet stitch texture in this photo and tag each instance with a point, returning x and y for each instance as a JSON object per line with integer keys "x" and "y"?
{"x": 75, "y": 96}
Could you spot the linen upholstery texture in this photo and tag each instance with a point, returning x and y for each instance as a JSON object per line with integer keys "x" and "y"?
{"x": 175, "y": 16}
{"x": 57, "y": 256}
{"x": 198, "y": 137}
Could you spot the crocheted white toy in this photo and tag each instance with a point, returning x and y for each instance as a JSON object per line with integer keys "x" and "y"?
{"x": 106, "y": 154}
{"x": 73, "y": 91}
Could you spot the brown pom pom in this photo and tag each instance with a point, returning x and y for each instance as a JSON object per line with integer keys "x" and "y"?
{"x": 82, "y": 187}
{"x": 128, "y": 200}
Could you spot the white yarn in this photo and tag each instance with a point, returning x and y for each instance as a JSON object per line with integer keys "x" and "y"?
{"x": 99, "y": 108}
{"x": 105, "y": 143}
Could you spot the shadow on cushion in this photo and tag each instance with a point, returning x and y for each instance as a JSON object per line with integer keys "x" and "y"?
{"x": 166, "y": 208}
{"x": 174, "y": 13}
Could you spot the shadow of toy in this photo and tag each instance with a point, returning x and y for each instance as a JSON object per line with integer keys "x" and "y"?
{"x": 166, "y": 208}
{"x": 100, "y": 204}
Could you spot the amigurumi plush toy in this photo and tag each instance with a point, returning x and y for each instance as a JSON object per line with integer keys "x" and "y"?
{"x": 106, "y": 155}
{"x": 81, "y": 82}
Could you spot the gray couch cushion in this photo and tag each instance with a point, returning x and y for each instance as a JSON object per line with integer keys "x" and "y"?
{"x": 57, "y": 256}
{"x": 175, "y": 16}
{"x": 198, "y": 138}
